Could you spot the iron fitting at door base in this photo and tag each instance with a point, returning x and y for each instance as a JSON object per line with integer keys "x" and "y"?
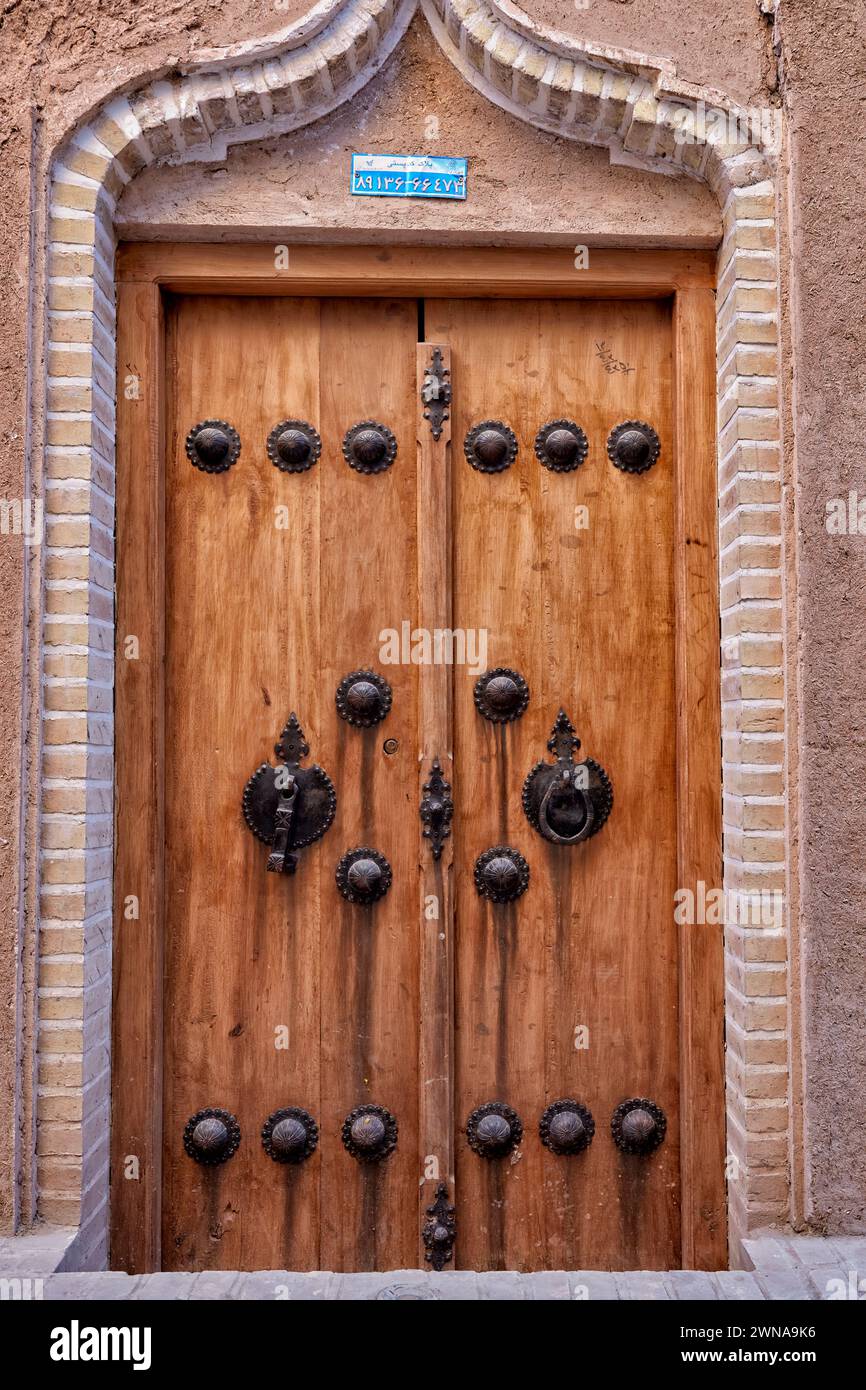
{"x": 440, "y": 1230}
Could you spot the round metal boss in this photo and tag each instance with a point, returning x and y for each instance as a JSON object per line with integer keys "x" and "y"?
{"x": 638, "y": 1126}
{"x": 363, "y": 698}
{"x": 501, "y": 874}
{"x": 494, "y": 1129}
{"x": 633, "y": 446}
{"x": 213, "y": 446}
{"x": 501, "y": 695}
{"x": 211, "y": 1136}
{"x": 370, "y": 1133}
{"x": 490, "y": 446}
{"x": 561, "y": 446}
{"x": 369, "y": 447}
{"x": 566, "y": 1127}
{"x": 294, "y": 446}
{"x": 363, "y": 876}
{"x": 289, "y": 1135}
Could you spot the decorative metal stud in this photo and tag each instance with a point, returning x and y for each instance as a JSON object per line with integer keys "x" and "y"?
{"x": 633, "y": 446}
{"x": 294, "y": 446}
{"x": 567, "y": 801}
{"x": 561, "y": 446}
{"x": 289, "y": 806}
{"x": 213, "y": 446}
{"x": 566, "y": 1127}
{"x": 436, "y": 393}
{"x": 363, "y": 876}
{"x": 211, "y": 1136}
{"x": 370, "y": 1133}
{"x": 501, "y": 695}
{"x": 289, "y": 1135}
{"x": 439, "y": 1230}
{"x": 363, "y": 698}
{"x": 369, "y": 447}
{"x": 490, "y": 446}
{"x": 494, "y": 1129}
{"x": 501, "y": 874}
{"x": 436, "y": 809}
{"x": 638, "y": 1126}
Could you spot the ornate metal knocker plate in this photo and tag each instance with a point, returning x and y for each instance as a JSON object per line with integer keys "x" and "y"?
{"x": 566, "y": 1127}
{"x": 213, "y": 446}
{"x": 363, "y": 876}
{"x": 494, "y": 1129}
{"x": 369, "y": 447}
{"x": 211, "y": 1136}
{"x": 363, "y": 698}
{"x": 566, "y": 801}
{"x": 501, "y": 695}
{"x": 490, "y": 446}
{"x": 436, "y": 393}
{"x": 294, "y": 446}
{"x": 289, "y": 1135}
{"x": 440, "y": 1230}
{"x": 638, "y": 1126}
{"x": 289, "y": 806}
{"x": 436, "y": 809}
{"x": 633, "y": 446}
{"x": 501, "y": 874}
{"x": 561, "y": 446}
{"x": 370, "y": 1133}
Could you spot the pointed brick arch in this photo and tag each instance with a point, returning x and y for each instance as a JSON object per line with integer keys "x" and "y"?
{"x": 641, "y": 112}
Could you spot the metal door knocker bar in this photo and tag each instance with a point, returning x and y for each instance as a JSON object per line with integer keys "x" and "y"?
{"x": 289, "y": 806}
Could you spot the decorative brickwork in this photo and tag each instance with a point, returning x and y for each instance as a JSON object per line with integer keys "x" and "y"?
{"x": 639, "y": 111}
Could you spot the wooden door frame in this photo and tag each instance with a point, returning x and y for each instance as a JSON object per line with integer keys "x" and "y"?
{"x": 145, "y": 272}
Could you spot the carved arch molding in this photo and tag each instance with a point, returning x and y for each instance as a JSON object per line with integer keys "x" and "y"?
{"x": 636, "y": 107}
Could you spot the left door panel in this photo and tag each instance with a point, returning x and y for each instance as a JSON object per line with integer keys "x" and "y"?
{"x": 276, "y": 585}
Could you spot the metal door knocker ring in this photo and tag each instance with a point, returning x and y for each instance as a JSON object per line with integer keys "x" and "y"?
{"x": 567, "y": 801}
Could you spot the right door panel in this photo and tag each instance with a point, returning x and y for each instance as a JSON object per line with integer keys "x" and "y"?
{"x": 570, "y": 992}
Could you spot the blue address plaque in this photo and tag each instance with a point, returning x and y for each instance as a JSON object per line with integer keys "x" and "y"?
{"x": 408, "y": 176}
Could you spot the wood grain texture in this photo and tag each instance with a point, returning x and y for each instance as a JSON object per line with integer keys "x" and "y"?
{"x": 242, "y": 640}
{"x": 587, "y": 616}
{"x": 701, "y": 948}
{"x": 414, "y": 270}
{"x": 435, "y": 740}
{"x": 369, "y": 955}
{"x": 137, "y": 961}
{"x": 274, "y": 587}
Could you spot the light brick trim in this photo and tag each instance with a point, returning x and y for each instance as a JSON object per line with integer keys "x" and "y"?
{"x": 635, "y": 107}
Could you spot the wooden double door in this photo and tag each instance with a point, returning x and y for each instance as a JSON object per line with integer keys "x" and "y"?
{"x": 420, "y": 991}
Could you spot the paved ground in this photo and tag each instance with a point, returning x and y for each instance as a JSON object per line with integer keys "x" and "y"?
{"x": 798, "y": 1267}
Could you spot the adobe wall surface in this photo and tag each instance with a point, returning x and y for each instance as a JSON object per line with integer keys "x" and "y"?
{"x": 827, "y": 388}
{"x": 524, "y": 184}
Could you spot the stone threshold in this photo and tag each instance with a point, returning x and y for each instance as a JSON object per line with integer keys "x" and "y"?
{"x": 785, "y": 1267}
